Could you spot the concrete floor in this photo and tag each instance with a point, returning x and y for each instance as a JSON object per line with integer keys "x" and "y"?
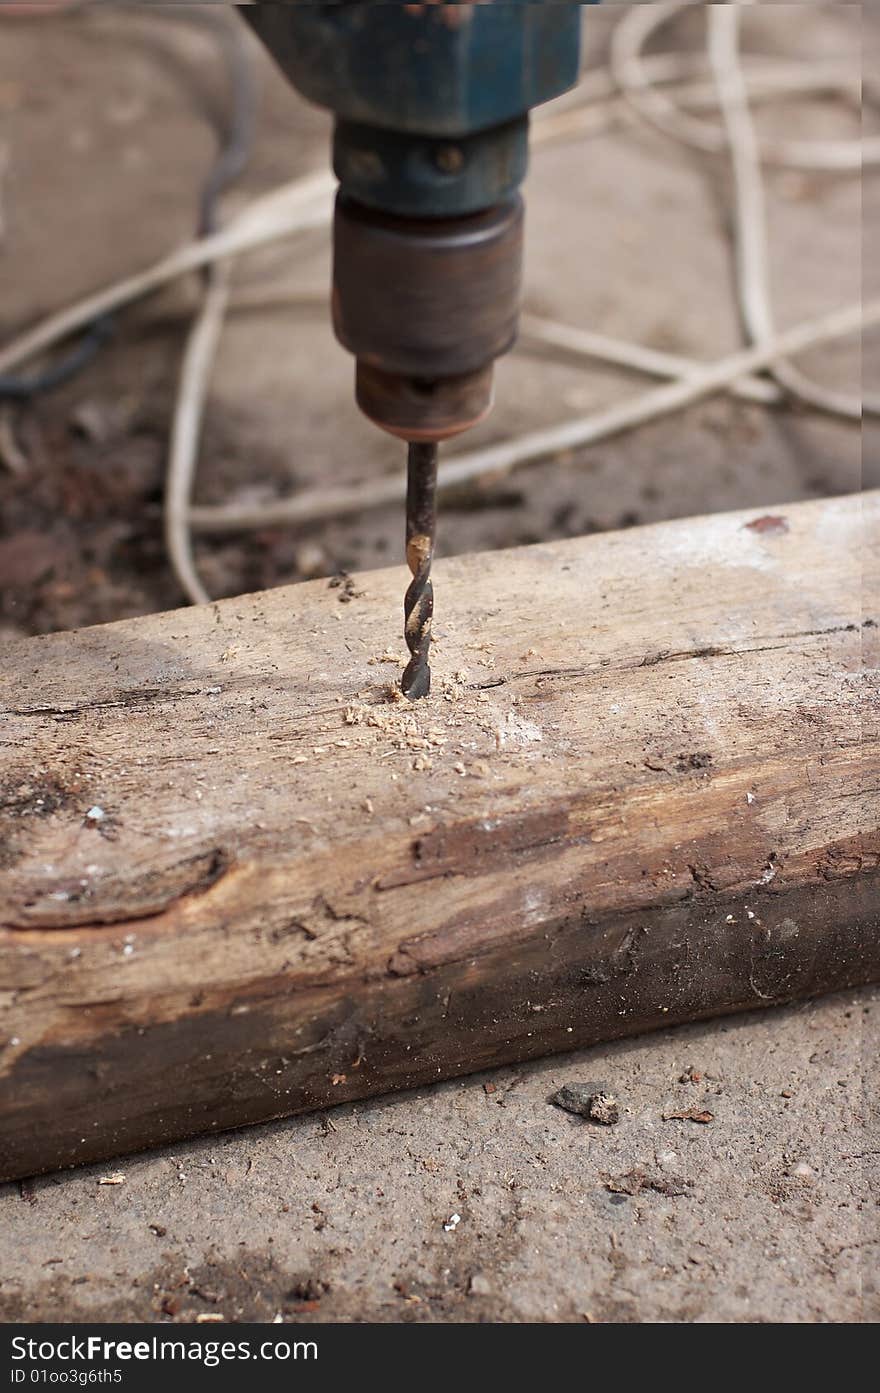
{"x": 762, "y": 1214}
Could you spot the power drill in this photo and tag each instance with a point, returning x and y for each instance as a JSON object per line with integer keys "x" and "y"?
{"x": 430, "y": 146}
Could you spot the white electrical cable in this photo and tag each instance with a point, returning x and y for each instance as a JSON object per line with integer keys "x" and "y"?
{"x": 750, "y": 234}
{"x": 304, "y": 204}
{"x": 584, "y": 343}
{"x": 632, "y": 76}
{"x": 307, "y": 203}
{"x": 601, "y": 106}
{"x": 497, "y": 460}
{"x": 295, "y": 207}
{"x": 198, "y": 360}
{"x": 693, "y": 380}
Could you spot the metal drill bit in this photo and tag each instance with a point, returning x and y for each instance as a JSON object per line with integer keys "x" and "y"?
{"x": 418, "y": 605}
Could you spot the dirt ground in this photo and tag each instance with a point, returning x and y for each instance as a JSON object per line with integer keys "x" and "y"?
{"x": 763, "y": 1214}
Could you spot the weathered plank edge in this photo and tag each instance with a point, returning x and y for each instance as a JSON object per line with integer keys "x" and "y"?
{"x": 574, "y": 984}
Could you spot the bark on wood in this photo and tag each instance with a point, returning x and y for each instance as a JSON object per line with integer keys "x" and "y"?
{"x": 239, "y": 882}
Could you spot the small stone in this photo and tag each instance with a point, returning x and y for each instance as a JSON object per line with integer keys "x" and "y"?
{"x": 591, "y": 1100}
{"x": 479, "y": 1285}
{"x": 804, "y": 1172}
{"x": 604, "y": 1109}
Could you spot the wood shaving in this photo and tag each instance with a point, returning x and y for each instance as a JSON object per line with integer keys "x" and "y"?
{"x": 516, "y": 731}
{"x": 401, "y": 725}
{"x": 387, "y": 657}
{"x": 454, "y": 687}
{"x": 419, "y": 728}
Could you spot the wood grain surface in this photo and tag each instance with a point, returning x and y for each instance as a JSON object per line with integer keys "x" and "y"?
{"x": 239, "y": 880}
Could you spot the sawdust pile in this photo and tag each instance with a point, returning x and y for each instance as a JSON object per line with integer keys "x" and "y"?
{"x": 456, "y": 718}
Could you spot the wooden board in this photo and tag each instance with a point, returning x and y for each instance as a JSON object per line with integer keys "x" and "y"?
{"x": 646, "y": 789}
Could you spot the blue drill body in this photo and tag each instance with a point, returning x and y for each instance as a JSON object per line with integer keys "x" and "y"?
{"x": 430, "y": 146}
{"x": 431, "y": 105}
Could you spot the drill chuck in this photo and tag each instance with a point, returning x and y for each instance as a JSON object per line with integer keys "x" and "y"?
{"x": 432, "y": 107}
{"x": 426, "y": 305}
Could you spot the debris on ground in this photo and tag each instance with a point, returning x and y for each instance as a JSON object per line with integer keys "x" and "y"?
{"x": 604, "y": 1109}
{"x": 591, "y": 1100}
{"x": 452, "y": 1223}
{"x": 637, "y": 1180}
{"x": 117, "y": 1178}
{"x": 691, "y": 1115}
{"x": 309, "y": 1290}
{"x": 690, "y": 1075}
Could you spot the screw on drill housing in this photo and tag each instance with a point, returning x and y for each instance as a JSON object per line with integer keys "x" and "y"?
{"x": 418, "y": 605}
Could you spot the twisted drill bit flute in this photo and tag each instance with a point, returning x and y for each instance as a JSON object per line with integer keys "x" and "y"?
{"x": 418, "y": 604}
